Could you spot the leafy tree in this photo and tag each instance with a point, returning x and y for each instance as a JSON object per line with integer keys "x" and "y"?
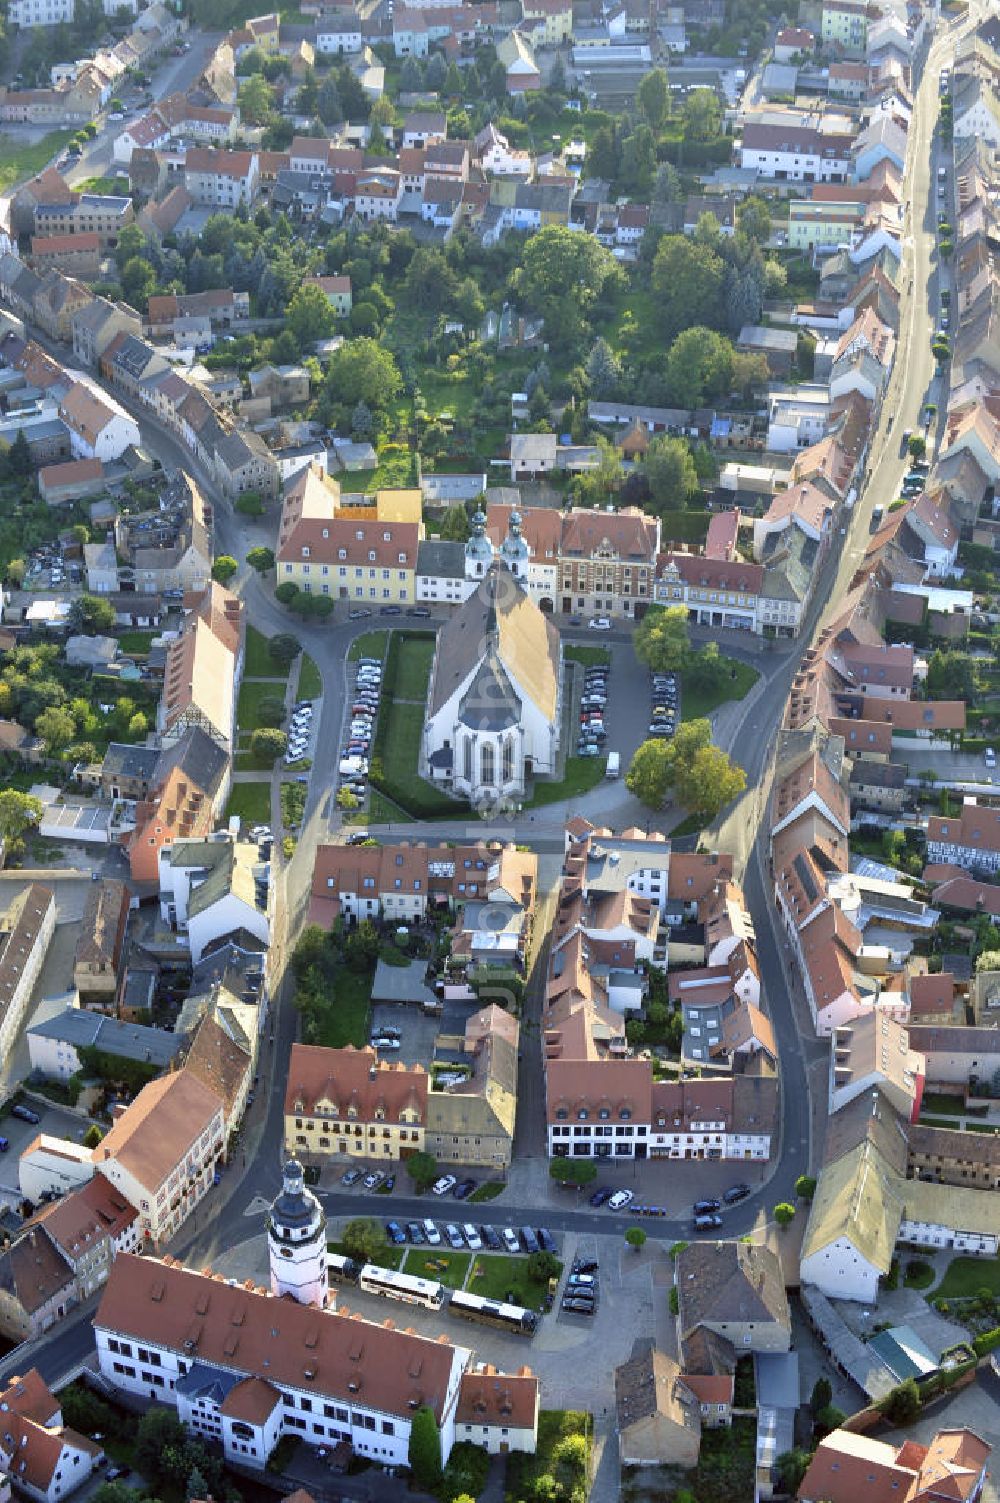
{"x": 653, "y": 98}
{"x": 901, "y": 1404}
{"x": 917, "y": 446}
{"x": 578, "y": 1172}
{"x": 256, "y": 100}
{"x": 362, "y": 421}
{"x": 309, "y": 316}
{"x": 364, "y": 1240}
{"x": 158, "y": 1431}
{"x": 805, "y": 1187}
{"x": 822, "y": 1394}
{"x": 422, "y": 1169}
{"x": 635, "y": 1237}
{"x": 435, "y": 73}
{"x": 284, "y": 648}
{"x": 425, "y": 1437}
{"x": 667, "y": 187}
{"x": 701, "y": 114}
{"x": 542, "y": 1265}
{"x": 455, "y": 524}
{"x": 603, "y": 368}
{"x": 670, "y": 472}
{"x": 19, "y": 462}
{"x": 18, "y": 811}
{"x": 361, "y": 946}
{"x": 93, "y": 1136}
{"x": 784, "y": 1213}
{"x": 650, "y": 773}
{"x": 224, "y": 568}
{"x": 250, "y": 503}
{"x": 138, "y": 283}
{"x": 699, "y": 367}
{"x": 287, "y": 592}
{"x": 363, "y": 371}
{"x": 950, "y": 676}
{"x": 92, "y": 615}
{"x": 261, "y": 559}
{"x": 328, "y": 104}
{"x": 56, "y": 727}
{"x": 708, "y": 782}
{"x": 753, "y": 218}
{"x": 790, "y": 1468}
{"x": 268, "y": 744}
{"x": 347, "y": 800}
{"x": 411, "y": 76}
{"x": 829, "y": 1418}
{"x": 688, "y": 279}
{"x": 196, "y": 1486}
{"x": 138, "y": 725}
{"x": 661, "y": 640}
{"x": 562, "y": 274}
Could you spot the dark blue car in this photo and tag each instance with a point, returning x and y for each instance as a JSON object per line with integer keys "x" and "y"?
{"x": 395, "y": 1233}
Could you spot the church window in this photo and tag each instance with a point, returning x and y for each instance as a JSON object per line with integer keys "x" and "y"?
{"x": 508, "y": 759}
{"x": 467, "y": 763}
{"x": 486, "y": 771}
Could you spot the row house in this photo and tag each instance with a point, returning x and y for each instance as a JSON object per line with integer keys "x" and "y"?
{"x": 800, "y": 150}
{"x": 971, "y": 841}
{"x": 403, "y": 883}
{"x": 225, "y": 179}
{"x": 348, "y": 1101}
{"x": 102, "y": 214}
{"x": 224, "y": 309}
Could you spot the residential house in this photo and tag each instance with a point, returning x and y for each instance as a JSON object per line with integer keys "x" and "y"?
{"x": 658, "y": 1417}
{"x": 209, "y": 889}
{"x": 90, "y": 1226}
{"x": 100, "y": 946}
{"x": 163, "y": 1150}
{"x": 733, "y": 1292}
{"x": 45, "y": 1459}
{"x": 348, "y": 1101}
{"x": 37, "y": 1288}
{"x": 954, "y": 1461}
{"x": 54, "y": 1044}
{"x": 498, "y": 1411}
{"x": 223, "y": 178}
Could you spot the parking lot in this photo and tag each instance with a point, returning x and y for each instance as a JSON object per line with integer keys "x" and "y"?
{"x": 416, "y": 1029}
{"x": 55, "y": 1123}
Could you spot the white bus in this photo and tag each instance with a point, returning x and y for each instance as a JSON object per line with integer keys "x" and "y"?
{"x": 402, "y": 1286}
{"x": 342, "y": 1270}
{"x": 491, "y": 1312}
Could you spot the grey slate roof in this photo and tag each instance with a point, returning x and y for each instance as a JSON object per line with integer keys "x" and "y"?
{"x": 440, "y": 559}
{"x": 123, "y": 761}
{"x": 78, "y": 1027}
{"x": 195, "y": 753}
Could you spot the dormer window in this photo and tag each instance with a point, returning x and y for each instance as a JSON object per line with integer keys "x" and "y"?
{"x": 341, "y": 552}
{"x": 387, "y": 537}
{"x": 604, "y": 1114}
{"x": 583, "y": 1114}
{"x": 360, "y": 535}
{"x": 371, "y": 555}
{"x": 625, "y": 1114}
{"x": 305, "y": 553}
{"x": 326, "y": 532}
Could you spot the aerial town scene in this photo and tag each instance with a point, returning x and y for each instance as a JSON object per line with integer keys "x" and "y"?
{"x": 500, "y": 751}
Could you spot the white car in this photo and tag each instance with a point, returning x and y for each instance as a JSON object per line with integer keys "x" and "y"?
{"x": 431, "y": 1233}
{"x": 510, "y": 1241}
{"x": 619, "y": 1200}
{"x": 471, "y": 1236}
{"x": 600, "y": 623}
{"x": 444, "y": 1184}
{"x": 990, "y": 757}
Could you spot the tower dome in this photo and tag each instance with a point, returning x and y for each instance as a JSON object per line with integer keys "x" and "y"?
{"x": 478, "y": 549}
{"x": 296, "y": 1240}
{"x": 513, "y": 549}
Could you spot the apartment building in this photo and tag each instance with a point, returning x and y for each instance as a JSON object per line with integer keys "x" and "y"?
{"x": 75, "y": 255}
{"x": 162, "y": 1153}
{"x": 26, "y": 931}
{"x": 972, "y": 840}
{"x": 45, "y": 1458}
{"x": 225, "y": 179}
{"x": 801, "y": 151}
{"x": 328, "y": 551}
{"x": 213, "y": 888}
{"x": 102, "y": 214}
{"x": 322, "y": 1377}
{"x": 348, "y": 1101}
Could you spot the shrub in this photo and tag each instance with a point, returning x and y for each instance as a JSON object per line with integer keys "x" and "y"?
{"x": 784, "y": 1213}
{"x": 268, "y": 744}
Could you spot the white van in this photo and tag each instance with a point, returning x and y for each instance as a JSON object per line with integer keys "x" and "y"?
{"x": 351, "y": 765}
{"x": 614, "y": 767}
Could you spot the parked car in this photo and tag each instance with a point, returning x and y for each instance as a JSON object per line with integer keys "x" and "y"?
{"x": 492, "y": 1238}
{"x": 599, "y": 623}
{"x": 510, "y": 1241}
{"x": 601, "y": 1194}
{"x": 390, "y": 610}
{"x": 546, "y": 1240}
{"x": 454, "y": 1236}
{"x": 416, "y": 1233}
{"x": 432, "y": 1234}
{"x": 351, "y": 1177}
{"x": 373, "y": 1179}
{"x": 704, "y": 1207}
{"x": 358, "y": 613}
{"x": 707, "y": 1223}
{"x": 735, "y": 1194}
{"x": 585, "y": 1265}
{"x": 472, "y": 1237}
{"x": 25, "y": 1114}
{"x": 529, "y": 1240}
{"x": 464, "y": 1189}
{"x": 395, "y": 1233}
{"x": 620, "y": 1199}
{"x": 444, "y": 1184}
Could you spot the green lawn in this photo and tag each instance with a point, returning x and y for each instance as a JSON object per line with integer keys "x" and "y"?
{"x": 252, "y": 691}
{"x": 258, "y": 662}
{"x": 489, "y": 1191}
{"x": 590, "y": 657}
{"x": 689, "y": 826}
{"x": 697, "y": 703}
{"x": 136, "y": 641}
{"x": 370, "y": 644}
{"x": 447, "y": 1267}
{"x": 532, "y": 1476}
{"x": 19, "y": 160}
{"x": 104, "y": 185}
{"x": 497, "y": 1276}
{"x": 943, "y": 1104}
{"x": 382, "y": 811}
{"x": 389, "y": 1256}
{"x": 416, "y": 654}
{"x": 344, "y": 1019}
{"x": 293, "y": 804}
{"x": 252, "y": 802}
{"x": 582, "y": 774}
{"x": 966, "y": 1276}
{"x": 310, "y": 683}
